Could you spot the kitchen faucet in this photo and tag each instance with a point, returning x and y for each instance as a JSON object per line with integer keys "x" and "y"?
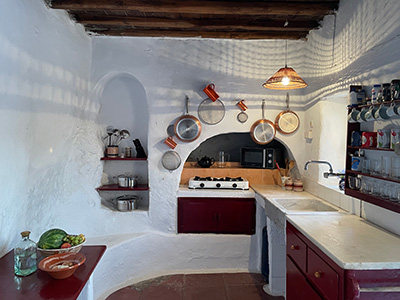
{"x": 326, "y": 174}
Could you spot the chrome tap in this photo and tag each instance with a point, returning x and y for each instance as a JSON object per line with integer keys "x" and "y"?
{"x": 326, "y": 174}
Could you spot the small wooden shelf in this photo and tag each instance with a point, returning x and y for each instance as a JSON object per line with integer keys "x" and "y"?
{"x": 373, "y": 176}
{"x": 385, "y": 203}
{"x": 122, "y": 158}
{"x": 369, "y": 148}
{"x": 115, "y": 187}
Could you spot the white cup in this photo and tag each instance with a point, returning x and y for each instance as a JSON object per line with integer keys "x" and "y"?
{"x": 392, "y": 110}
{"x": 352, "y": 116}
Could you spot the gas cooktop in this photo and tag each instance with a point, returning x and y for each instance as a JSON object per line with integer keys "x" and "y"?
{"x": 238, "y": 183}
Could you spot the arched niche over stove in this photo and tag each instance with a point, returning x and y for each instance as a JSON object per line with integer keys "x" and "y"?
{"x": 231, "y": 143}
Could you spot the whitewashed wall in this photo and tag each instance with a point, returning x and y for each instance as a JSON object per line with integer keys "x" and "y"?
{"x": 51, "y": 142}
{"x": 363, "y": 49}
{"x": 48, "y": 158}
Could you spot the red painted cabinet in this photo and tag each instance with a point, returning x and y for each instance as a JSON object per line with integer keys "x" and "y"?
{"x": 216, "y": 215}
{"x": 299, "y": 287}
{"x": 311, "y": 274}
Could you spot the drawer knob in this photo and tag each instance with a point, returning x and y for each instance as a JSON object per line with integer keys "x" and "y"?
{"x": 293, "y": 247}
{"x": 318, "y": 274}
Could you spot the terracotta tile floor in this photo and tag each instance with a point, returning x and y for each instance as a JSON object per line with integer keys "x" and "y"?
{"x": 225, "y": 286}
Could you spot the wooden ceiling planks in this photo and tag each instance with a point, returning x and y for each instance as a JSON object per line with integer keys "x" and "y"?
{"x": 204, "y": 18}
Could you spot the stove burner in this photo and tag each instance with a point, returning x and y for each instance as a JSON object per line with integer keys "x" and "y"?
{"x": 227, "y": 179}
{"x": 198, "y": 178}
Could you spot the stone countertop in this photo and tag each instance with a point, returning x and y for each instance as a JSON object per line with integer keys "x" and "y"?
{"x": 184, "y": 191}
{"x": 350, "y": 241}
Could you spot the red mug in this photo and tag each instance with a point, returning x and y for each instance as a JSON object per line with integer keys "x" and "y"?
{"x": 242, "y": 105}
{"x": 170, "y": 142}
{"x": 210, "y": 92}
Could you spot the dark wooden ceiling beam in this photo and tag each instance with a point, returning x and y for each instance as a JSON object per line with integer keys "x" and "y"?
{"x": 203, "y": 7}
{"x": 205, "y": 24}
{"x": 204, "y": 34}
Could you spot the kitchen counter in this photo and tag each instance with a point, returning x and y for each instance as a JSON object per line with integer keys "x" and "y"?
{"x": 184, "y": 191}
{"x": 350, "y": 241}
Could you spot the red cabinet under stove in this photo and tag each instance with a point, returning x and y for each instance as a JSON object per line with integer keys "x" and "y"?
{"x": 216, "y": 215}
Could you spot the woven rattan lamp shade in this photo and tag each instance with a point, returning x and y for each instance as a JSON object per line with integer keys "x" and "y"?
{"x": 285, "y": 79}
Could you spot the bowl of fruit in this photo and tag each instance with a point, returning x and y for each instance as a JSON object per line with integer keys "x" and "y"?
{"x": 55, "y": 241}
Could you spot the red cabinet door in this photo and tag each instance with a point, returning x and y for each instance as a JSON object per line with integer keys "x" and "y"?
{"x": 216, "y": 215}
{"x": 297, "y": 287}
{"x": 296, "y": 249}
{"x": 325, "y": 279}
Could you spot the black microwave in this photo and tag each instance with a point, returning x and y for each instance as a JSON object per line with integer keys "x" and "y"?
{"x": 262, "y": 158}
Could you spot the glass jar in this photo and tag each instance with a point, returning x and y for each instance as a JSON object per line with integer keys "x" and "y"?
{"x": 25, "y": 256}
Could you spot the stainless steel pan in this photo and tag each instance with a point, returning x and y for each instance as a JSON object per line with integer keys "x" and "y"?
{"x": 262, "y": 131}
{"x": 187, "y": 128}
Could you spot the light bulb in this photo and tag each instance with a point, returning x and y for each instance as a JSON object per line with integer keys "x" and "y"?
{"x": 285, "y": 80}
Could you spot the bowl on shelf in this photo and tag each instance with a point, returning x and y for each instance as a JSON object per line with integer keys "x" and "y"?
{"x": 48, "y": 252}
{"x": 63, "y": 265}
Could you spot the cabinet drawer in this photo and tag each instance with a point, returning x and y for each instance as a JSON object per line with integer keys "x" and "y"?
{"x": 296, "y": 249}
{"x": 325, "y": 279}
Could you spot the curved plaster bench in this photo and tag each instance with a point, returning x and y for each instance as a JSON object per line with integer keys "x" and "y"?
{"x": 131, "y": 258}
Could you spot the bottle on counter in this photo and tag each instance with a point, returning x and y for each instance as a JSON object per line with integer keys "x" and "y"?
{"x": 25, "y": 256}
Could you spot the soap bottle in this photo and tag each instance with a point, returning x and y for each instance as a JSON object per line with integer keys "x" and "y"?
{"x": 25, "y": 256}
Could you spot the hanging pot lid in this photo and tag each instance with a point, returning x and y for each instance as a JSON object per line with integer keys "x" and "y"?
{"x": 262, "y": 131}
{"x": 287, "y": 121}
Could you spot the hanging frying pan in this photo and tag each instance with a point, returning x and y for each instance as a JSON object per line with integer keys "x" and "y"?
{"x": 287, "y": 121}
{"x": 211, "y": 112}
{"x": 187, "y": 128}
{"x": 262, "y": 131}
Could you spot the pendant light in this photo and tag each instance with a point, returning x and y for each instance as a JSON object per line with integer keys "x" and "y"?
{"x": 285, "y": 79}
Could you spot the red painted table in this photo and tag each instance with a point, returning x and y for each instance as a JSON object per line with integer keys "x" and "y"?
{"x": 41, "y": 285}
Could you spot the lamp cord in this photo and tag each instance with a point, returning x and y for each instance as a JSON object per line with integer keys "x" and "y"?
{"x": 286, "y": 56}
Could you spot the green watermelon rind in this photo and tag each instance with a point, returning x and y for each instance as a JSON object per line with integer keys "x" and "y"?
{"x": 51, "y": 239}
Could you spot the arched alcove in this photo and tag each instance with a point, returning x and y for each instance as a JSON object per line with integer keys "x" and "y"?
{"x": 231, "y": 143}
{"x": 123, "y": 105}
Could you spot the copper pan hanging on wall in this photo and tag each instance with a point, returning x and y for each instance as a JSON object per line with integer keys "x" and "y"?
{"x": 262, "y": 131}
{"x": 187, "y": 128}
{"x": 287, "y": 121}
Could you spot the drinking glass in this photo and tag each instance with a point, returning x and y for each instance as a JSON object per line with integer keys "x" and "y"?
{"x": 395, "y": 171}
{"x": 385, "y": 166}
{"x": 375, "y": 188}
{"x": 365, "y": 185}
{"x": 375, "y": 167}
{"x": 366, "y": 166}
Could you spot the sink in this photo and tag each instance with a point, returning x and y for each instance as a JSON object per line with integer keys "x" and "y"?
{"x": 305, "y": 205}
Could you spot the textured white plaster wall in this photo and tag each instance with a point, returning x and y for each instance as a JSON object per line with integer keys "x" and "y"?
{"x": 49, "y": 154}
{"x": 51, "y": 140}
{"x": 362, "y": 49}
{"x": 169, "y": 69}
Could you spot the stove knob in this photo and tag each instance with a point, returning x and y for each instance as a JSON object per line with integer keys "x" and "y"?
{"x": 201, "y": 185}
{"x": 218, "y": 185}
{"x": 234, "y": 185}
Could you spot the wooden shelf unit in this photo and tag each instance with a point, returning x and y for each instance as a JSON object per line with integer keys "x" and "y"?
{"x": 376, "y": 200}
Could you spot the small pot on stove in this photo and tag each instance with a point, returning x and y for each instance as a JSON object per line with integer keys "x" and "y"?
{"x": 205, "y": 162}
